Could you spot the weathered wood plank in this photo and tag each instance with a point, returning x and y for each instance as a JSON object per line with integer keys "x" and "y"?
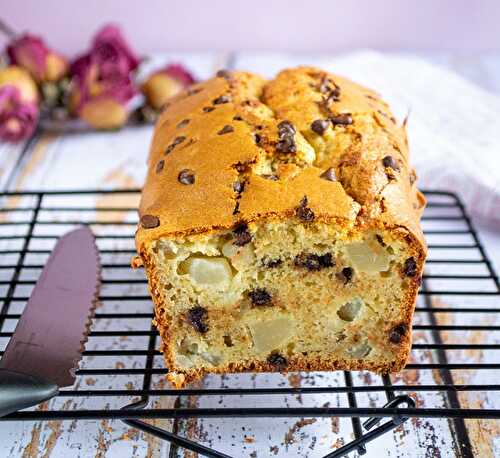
{"x": 10, "y": 155}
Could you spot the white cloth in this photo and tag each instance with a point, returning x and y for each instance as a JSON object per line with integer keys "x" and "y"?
{"x": 453, "y": 126}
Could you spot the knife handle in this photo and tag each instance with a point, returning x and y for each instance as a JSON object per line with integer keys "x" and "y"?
{"x": 18, "y": 391}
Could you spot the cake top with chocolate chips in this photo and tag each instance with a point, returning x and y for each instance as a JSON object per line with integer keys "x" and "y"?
{"x": 316, "y": 133}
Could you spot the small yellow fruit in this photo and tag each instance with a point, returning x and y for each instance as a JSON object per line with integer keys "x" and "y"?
{"x": 104, "y": 114}
{"x": 158, "y": 88}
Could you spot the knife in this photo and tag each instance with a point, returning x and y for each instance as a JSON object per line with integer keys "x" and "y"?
{"x": 43, "y": 353}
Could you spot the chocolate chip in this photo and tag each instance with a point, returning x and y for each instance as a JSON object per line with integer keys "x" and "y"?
{"x": 242, "y": 167}
{"x": 186, "y": 176}
{"x": 334, "y": 94}
{"x": 183, "y": 123}
{"x": 380, "y": 240}
{"x": 303, "y": 211}
{"x": 397, "y": 333}
{"x": 314, "y": 262}
{"x": 324, "y": 85}
{"x": 197, "y": 317}
{"x": 345, "y": 275}
{"x": 149, "y": 221}
{"x": 319, "y": 126}
{"x": 208, "y": 109}
{"x": 270, "y": 177}
{"x": 159, "y": 166}
{"x": 287, "y": 145}
{"x": 257, "y": 139}
{"x": 224, "y": 74}
{"x": 329, "y": 174}
{"x": 238, "y": 186}
{"x": 260, "y": 297}
{"x": 242, "y": 235}
{"x": 222, "y": 99}
{"x": 276, "y": 360}
{"x": 343, "y": 119}
{"x": 237, "y": 118}
{"x": 177, "y": 141}
{"x": 390, "y": 162}
{"x": 273, "y": 263}
{"x": 286, "y": 131}
{"x": 410, "y": 267}
{"x": 286, "y": 128}
{"x": 226, "y": 130}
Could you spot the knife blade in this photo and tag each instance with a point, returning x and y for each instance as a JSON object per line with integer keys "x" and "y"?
{"x": 46, "y": 346}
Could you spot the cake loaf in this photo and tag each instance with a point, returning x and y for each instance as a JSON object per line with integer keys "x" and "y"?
{"x": 279, "y": 227}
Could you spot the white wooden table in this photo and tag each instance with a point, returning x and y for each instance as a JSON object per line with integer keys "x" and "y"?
{"x": 118, "y": 160}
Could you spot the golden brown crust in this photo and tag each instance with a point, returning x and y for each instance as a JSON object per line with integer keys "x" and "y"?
{"x": 226, "y": 131}
{"x": 356, "y": 152}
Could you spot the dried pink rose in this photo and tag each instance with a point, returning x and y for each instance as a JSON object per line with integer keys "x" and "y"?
{"x": 102, "y": 81}
{"x": 109, "y": 54}
{"x": 18, "y": 118}
{"x": 165, "y": 83}
{"x": 31, "y": 53}
{"x": 103, "y": 104}
{"x": 112, "y": 54}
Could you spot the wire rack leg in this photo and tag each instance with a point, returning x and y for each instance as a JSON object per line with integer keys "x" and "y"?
{"x": 168, "y": 436}
{"x": 381, "y": 430}
{"x": 159, "y": 432}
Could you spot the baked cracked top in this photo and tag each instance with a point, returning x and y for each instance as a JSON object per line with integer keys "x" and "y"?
{"x": 306, "y": 144}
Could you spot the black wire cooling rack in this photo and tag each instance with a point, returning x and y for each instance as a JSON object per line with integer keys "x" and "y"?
{"x": 459, "y": 283}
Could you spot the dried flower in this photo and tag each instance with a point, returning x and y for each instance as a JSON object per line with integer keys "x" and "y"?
{"x": 103, "y": 104}
{"x": 101, "y": 81}
{"x": 20, "y": 78}
{"x": 18, "y": 104}
{"x": 112, "y": 54}
{"x": 165, "y": 83}
{"x": 31, "y": 53}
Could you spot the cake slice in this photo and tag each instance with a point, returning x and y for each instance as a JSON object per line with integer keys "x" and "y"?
{"x": 279, "y": 227}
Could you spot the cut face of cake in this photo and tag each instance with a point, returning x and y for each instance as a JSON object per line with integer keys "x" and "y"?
{"x": 281, "y": 230}
{"x": 274, "y": 294}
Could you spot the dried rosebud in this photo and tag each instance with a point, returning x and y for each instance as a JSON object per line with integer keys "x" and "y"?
{"x": 17, "y": 118}
{"x": 101, "y": 80}
{"x": 165, "y": 83}
{"x": 18, "y": 107}
{"x": 103, "y": 104}
{"x": 21, "y": 79}
{"x": 31, "y": 53}
{"x": 112, "y": 54}
{"x": 100, "y": 102}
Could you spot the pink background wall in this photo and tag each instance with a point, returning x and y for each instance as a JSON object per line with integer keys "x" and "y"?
{"x": 319, "y": 25}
